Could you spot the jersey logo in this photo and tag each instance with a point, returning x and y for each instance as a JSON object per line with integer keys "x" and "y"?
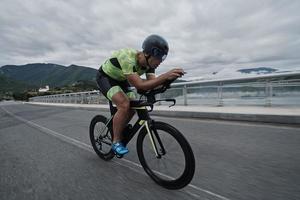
{"x": 115, "y": 62}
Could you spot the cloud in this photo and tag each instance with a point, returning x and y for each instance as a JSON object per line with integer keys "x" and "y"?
{"x": 202, "y": 34}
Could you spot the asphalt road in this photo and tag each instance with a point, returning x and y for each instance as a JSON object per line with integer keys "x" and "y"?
{"x": 45, "y": 153}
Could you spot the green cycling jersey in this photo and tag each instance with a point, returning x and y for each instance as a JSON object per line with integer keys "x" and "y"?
{"x": 122, "y": 63}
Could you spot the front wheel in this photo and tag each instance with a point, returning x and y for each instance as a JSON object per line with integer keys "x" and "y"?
{"x": 174, "y": 168}
{"x": 101, "y": 137}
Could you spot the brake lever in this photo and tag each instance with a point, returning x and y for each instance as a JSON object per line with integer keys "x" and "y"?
{"x": 172, "y": 100}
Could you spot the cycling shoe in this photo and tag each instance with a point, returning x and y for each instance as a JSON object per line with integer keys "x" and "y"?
{"x": 119, "y": 148}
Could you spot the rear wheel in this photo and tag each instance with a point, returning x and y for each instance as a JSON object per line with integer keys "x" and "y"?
{"x": 176, "y": 166}
{"x": 101, "y": 137}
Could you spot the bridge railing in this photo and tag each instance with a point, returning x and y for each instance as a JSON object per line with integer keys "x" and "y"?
{"x": 267, "y": 90}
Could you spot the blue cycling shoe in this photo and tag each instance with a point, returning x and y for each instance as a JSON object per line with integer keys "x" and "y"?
{"x": 119, "y": 148}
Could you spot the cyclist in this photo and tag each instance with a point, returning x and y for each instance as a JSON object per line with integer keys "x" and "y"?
{"x": 123, "y": 69}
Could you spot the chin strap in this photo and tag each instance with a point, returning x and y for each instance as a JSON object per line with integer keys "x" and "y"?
{"x": 147, "y": 58}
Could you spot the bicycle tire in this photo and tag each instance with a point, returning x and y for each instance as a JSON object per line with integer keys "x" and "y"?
{"x": 106, "y": 137}
{"x": 189, "y": 160}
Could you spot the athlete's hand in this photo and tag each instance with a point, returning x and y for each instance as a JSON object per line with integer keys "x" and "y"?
{"x": 174, "y": 73}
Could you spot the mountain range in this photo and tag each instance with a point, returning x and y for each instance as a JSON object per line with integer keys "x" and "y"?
{"x": 11, "y": 85}
{"x": 40, "y": 74}
{"x": 15, "y": 78}
{"x": 258, "y": 70}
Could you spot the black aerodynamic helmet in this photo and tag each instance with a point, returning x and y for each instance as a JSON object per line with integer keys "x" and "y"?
{"x": 156, "y": 46}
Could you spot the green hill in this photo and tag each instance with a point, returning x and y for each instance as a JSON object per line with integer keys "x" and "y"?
{"x": 10, "y": 85}
{"x": 41, "y": 74}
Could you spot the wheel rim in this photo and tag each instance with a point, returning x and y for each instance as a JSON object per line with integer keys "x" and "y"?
{"x": 169, "y": 167}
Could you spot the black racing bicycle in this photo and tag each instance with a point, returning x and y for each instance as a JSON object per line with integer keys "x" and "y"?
{"x": 163, "y": 151}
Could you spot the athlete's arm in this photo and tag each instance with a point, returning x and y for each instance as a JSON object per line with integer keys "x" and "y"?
{"x": 150, "y": 76}
{"x": 140, "y": 84}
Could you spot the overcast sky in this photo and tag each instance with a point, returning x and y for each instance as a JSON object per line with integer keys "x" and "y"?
{"x": 203, "y": 35}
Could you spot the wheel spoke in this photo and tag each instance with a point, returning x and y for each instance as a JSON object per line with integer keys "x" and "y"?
{"x": 100, "y": 136}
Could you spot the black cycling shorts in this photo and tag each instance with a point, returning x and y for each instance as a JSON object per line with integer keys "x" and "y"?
{"x": 109, "y": 86}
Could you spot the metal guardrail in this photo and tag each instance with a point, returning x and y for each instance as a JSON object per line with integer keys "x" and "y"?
{"x": 266, "y": 90}
{"x": 90, "y": 97}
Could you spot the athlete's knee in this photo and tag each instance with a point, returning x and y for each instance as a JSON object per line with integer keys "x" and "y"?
{"x": 124, "y": 105}
{"x": 122, "y": 102}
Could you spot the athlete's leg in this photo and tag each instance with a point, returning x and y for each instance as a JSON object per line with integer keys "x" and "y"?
{"x": 131, "y": 95}
{"x": 122, "y": 116}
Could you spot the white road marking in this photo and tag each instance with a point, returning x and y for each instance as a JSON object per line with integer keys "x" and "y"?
{"x": 90, "y": 149}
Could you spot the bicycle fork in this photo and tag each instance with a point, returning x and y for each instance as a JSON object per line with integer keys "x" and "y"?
{"x": 152, "y": 132}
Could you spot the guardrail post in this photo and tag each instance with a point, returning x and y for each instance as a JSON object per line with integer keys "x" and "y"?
{"x": 184, "y": 95}
{"x": 269, "y": 94}
{"x": 220, "y": 94}
{"x": 88, "y": 98}
{"x": 81, "y": 98}
{"x": 159, "y": 97}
